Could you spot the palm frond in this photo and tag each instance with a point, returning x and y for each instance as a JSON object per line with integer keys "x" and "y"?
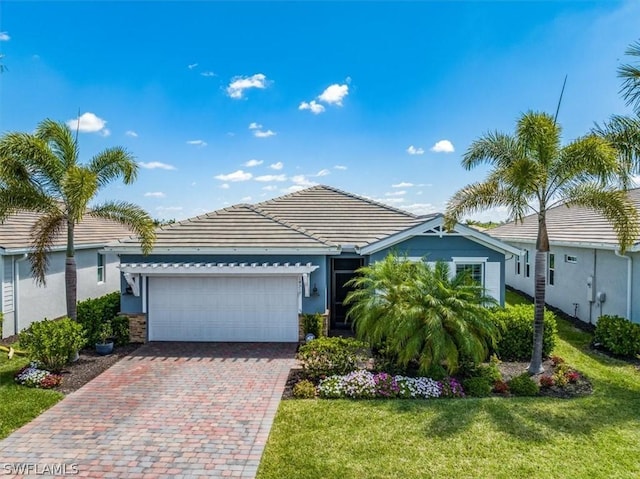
{"x": 614, "y": 205}
{"x": 539, "y": 136}
{"x": 44, "y": 233}
{"x": 60, "y": 140}
{"x": 80, "y": 185}
{"x": 623, "y": 132}
{"x": 630, "y": 74}
{"x": 132, "y": 216}
{"x": 494, "y": 148}
{"x": 114, "y": 163}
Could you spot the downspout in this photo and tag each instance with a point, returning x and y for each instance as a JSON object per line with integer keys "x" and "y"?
{"x": 629, "y": 280}
{"x": 16, "y": 289}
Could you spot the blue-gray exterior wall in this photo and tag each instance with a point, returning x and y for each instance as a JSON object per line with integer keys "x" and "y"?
{"x": 312, "y": 304}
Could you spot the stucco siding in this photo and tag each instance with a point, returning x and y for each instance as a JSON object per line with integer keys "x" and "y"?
{"x": 38, "y": 302}
{"x": 569, "y": 291}
{"x": 312, "y": 304}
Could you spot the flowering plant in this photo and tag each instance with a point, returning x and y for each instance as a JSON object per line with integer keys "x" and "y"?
{"x": 34, "y": 377}
{"x": 362, "y": 384}
{"x": 547, "y": 381}
{"x": 451, "y": 388}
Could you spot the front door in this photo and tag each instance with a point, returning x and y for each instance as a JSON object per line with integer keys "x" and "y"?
{"x": 342, "y": 270}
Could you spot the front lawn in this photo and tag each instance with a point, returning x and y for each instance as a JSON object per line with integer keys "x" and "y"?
{"x": 19, "y": 404}
{"x": 597, "y": 436}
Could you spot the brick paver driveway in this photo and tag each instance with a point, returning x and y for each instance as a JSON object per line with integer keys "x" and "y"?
{"x": 169, "y": 410}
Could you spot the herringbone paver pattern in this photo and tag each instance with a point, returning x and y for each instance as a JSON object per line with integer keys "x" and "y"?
{"x": 169, "y": 410}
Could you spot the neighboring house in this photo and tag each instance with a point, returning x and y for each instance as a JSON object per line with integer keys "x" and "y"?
{"x": 244, "y": 273}
{"x": 586, "y": 275}
{"x": 23, "y": 301}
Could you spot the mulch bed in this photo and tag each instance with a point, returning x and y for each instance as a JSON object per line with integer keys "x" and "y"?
{"x": 89, "y": 365}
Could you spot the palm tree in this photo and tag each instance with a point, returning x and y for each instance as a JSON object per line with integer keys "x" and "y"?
{"x": 630, "y": 74}
{"x": 40, "y": 172}
{"x": 531, "y": 172}
{"x": 422, "y": 314}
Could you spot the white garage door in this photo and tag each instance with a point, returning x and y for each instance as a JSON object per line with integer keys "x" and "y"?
{"x": 223, "y": 308}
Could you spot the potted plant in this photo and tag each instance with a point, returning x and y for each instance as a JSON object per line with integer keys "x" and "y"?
{"x": 104, "y": 345}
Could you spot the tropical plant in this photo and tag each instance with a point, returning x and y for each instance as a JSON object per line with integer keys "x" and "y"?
{"x": 421, "y": 314}
{"x": 41, "y": 172}
{"x": 52, "y": 342}
{"x": 532, "y": 171}
{"x": 630, "y": 74}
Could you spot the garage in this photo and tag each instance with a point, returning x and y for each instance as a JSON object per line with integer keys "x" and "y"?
{"x": 223, "y": 308}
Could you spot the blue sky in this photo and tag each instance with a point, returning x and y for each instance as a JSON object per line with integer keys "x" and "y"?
{"x": 224, "y": 103}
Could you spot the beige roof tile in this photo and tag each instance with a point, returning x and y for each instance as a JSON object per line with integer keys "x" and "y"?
{"x": 15, "y": 232}
{"x": 565, "y": 225}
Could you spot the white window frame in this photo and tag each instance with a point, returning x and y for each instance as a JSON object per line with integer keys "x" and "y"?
{"x": 527, "y": 264}
{"x": 462, "y": 260}
{"x": 551, "y": 271}
{"x": 570, "y": 258}
{"x": 101, "y": 269}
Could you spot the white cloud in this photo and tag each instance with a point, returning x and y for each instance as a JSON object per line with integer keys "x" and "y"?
{"x": 421, "y": 208}
{"x": 302, "y": 180}
{"x": 245, "y": 198}
{"x": 263, "y": 134}
{"x": 155, "y": 194}
{"x": 104, "y": 132}
{"x": 89, "y": 123}
{"x": 402, "y": 184}
{"x": 197, "y": 142}
{"x": 390, "y": 201}
{"x": 443, "y": 146}
{"x": 208, "y": 74}
{"x": 267, "y": 178}
{"x": 252, "y": 163}
{"x": 323, "y": 172}
{"x": 168, "y": 209}
{"x": 339, "y": 167}
{"x": 254, "y": 126}
{"x": 238, "y": 175}
{"x": 270, "y": 188}
{"x": 192, "y": 66}
{"x": 155, "y": 165}
{"x": 497, "y": 214}
{"x": 396, "y": 193}
{"x": 225, "y": 186}
{"x": 4, "y": 37}
{"x": 239, "y": 84}
{"x": 131, "y": 133}
{"x": 313, "y": 106}
{"x": 276, "y": 166}
{"x": 293, "y": 189}
{"x": 412, "y": 150}
{"x": 334, "y": 94}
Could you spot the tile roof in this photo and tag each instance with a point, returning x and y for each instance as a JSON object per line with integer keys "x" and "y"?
{"x": 572, "y": 224}
{"x": 320, "y": 216}
{"x": 15, "y": 232}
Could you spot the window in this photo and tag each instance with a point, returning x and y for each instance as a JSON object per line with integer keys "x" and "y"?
{"x": 527, "y": 264}
{"x": 100, "y": 268}
{"x": 551, "y": 277}
{"x": 518, "y": 264}
{"x": 570, "y": 259}
{"x": 474, "y": 269}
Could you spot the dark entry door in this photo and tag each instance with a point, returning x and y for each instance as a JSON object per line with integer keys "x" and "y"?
{"x": 342, "y": 269}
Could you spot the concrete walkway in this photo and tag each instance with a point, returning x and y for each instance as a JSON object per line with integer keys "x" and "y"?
{"x": 169, "y": 410}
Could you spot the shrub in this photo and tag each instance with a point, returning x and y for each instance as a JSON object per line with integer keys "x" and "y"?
{"x": 547, "y": 381}
{"x": 618, "y": 335}
{"x": 34, "y": 377}
{"x": 312, "y": 323}
{"x": 330, "y": 356}
{"x": 451, "y": 388}
{"x": 555, "y": 360}
{"x": 304, "y": 389}
{"x": 523, "y": 385}
{"x": 516, "y": 327}
{"x": 93, "y": 312}
{"x": 437, "y": 372}
{"x": 120, "y": 328}
{"x": 51, "y": 343}
{"x": 477, "y": 387}
{"x": 487, "y": 371}
{"x": 501, "y": 387}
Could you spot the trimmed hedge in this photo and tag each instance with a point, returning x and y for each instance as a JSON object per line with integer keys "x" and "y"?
{"x": 330, "y": 356}
{"x": 516, "y": 328}
{"x": 618, "y": 335}
{"x": 52, "y": 342}
{"x": 92, "y": 313}
{"x": 312, "y": 323}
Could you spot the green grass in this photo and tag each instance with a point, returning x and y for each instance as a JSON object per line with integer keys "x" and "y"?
{"x": 595, "y": 437}
{"x": 512, "y": 299}
{"x": 19, "y": 404}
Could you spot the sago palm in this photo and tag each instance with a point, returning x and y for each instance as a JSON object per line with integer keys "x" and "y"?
{"x": 41, "y": 172}
{"x": 421, "y": 313}
{"x": 532, "y": 171}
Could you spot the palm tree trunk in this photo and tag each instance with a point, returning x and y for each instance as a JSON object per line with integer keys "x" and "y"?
{"x": 70, "y": 275}
{"x": 540, "y": 274}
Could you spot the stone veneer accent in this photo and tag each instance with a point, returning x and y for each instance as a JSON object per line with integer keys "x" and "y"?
{"x": 137, "y": 327}
{"x": 325, "y": 326}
